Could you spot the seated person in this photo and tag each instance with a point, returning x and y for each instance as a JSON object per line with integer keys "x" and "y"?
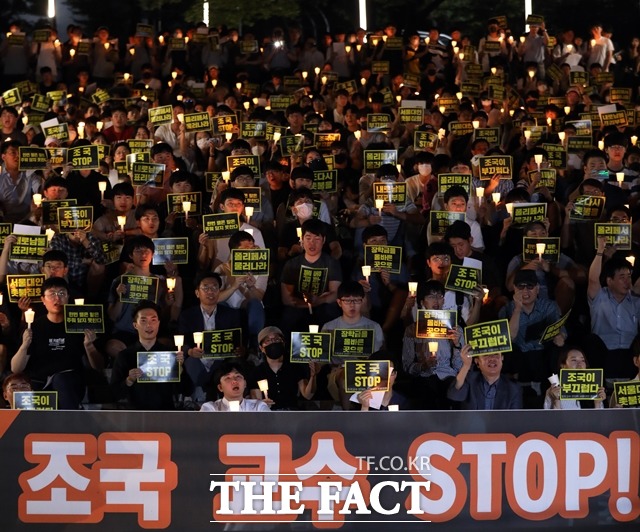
{"x": 431, "y": 373}
{"x": 635, "y": 349}
{"x": 125, "y": 374}
{"x": 231, "y": 382}
{"x": 287, "y": 382}
{"x": 16, "y": 382}
{"x": 208, "y": 315}
{"x": 390, "y": 397}
{"x": 244, "y": 291}
{"x": 486, "y": 389}
{"x": 455, "y": 200}
{"x": 571, "y": 358}
{"x": 52, "y": 358}
{"x": 310, "y": 282}
{"x": 86, "y": 260}
{"x": 107, "y": 228}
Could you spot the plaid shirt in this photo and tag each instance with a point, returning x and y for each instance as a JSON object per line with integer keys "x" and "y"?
{"x": 76, "y": 254}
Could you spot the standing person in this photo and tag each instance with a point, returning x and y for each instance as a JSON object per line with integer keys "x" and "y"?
{"x": 601, "y": 49}
{"x": 53, "y": 358}
{"x": 126, "y": 373}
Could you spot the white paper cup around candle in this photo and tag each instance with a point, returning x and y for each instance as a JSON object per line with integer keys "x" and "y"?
{"x": 226, "y": 176}
{"x": 540, "y": 247}
{"x": 433, "y": 348}
{"x": 1, "y": 298}
{"x": 264, "y": 387}
{"x": 178, "y": 339}
{"x": 72, "y": 52}
{"x": 276, "y": 136}
{"x": 228, "y": 135}
{"x": 538, "y": 159}
{"x": 413, "y": 288}
{"x": 50, "y": 234}
{"x": 634, "y": 140}
{"x": 620, "y": 178}
{"x": 186, "y": 207}
{"x": 441, "y": 133}
{"x": 37, "y": 200}
{"x": 246, "y": 105}
{"x": 601, "y": 144}
{"x": 631, "y": 260}
{"x": 299, "y": 232}
{"x": 122, "y": 221}
{"x": 554, "y": 380}
{"x": 393, "y": 408}
{"x": 171, "y": 284}
{"x": 79, "y": 301}
{"x": 197, "y": 338}
{"x": 475, "y": 124}
{"x": 495, "y": 196}
{"x": 527, "y": 134}
{"x": 99, "y": 125}
{"x": 357, "y": 134}
{"x": 180, "y": 117}
{"x": 480, "y": 193}
{"x": 561, "y": 136}
{"x": 234, "y": 406}
{"x": 249, "y": 212}
{"x": 509, "y": 207}
{"x": 102, "y": 187}
{"x": 366, "y": 272}
{"x": 379, "y": 205}
{"x": 28, "y": 317}
{"x": 314, "y": 328}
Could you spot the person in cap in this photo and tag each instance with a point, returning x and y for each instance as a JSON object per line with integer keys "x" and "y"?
{"x": 529, "y": 315}
{"x": 288, "y": 383}
{"x": 231, "y": 382}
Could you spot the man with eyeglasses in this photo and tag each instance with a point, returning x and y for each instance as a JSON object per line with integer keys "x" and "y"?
{"x": 53, "y": 358}
{"x": 208, "y": 315}
{"x": 529, "y": 315}
{"x": 16, "y": 382}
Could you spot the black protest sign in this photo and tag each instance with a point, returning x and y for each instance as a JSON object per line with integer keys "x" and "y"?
{"x": 50, "y": 209}
{"x": 325, "y": 181}
{"x": 140, "y": 145}
{"x": 29, "y": 248}
{"x": 390, "y": 192}
{"x": 587, "y": 208}
{"x": 139, "y": 287}
{"x": 359, "y": 375}
{"x": 161, "y": 115}
{"x": 577, "y": 384}
{"x": 378, "y": 122}
{"x": 79, "y": 318}
{"x": 58, "y": 131}
{"x": 618, "y": 235}
{"x": 388, "y": 258}
{"x": 149, "y": 174}
{"x": 411, "y": 115}
{"x": 175, "y": 250}
{"x": 490, "y": 134}
{"x": 440, "y": 220}
{"x": 425, "y": 140}
{"x": 496, "y": 164}
{"x": 84, "y": 157}
{"x": 552, "y": 330}
{"x": 312, "y": 281}
{"x": 353, "y": 343}
{"x": 548, "y": 178}
{"x": 373, "y": 159}
{"x": 41, "y": 103}
{"x": 197, "y": 122}
{"x": 323, "y": 141}
{"x": 78, "y": 218}
{"x": 211, "y": 179}
{"x": 253, "y": 130}
{"x": 617, "y": 119}
{"x": 221, "y": 343}
{"x": 250, "y": 262}
{"x": 627, "y": 394}
{"x": 252, "y": 197}
{"x": 445, "y": 181}
{"x": 158, "y": 366}
{"x": 579, "y": 143}
{"x": 176, "y": 202}
{"x": 25, "y": 286}
{"x": 463, "y": 279}
{"x": 435, "y": 323}
{"x": 252, "y": 161}
{"x": 460, "y": 129}
{"x": 489, "y": 337}
{"x": 32, "y": 158}
{"x": 551, "y": 251}
{"x": 43, "y": 400}
{"x": 310, "y": 347}
{"x": 220, "y": 225}
{"x": 557, "y": 155}
{"x": 523, "y": 213}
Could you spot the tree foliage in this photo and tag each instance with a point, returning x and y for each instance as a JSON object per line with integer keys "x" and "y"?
{"x": 235, "y": 13}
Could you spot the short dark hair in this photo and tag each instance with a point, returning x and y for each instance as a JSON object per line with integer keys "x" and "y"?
{"x": 144, "y": 304}
{"x": 241, "y": 170}
{"x": 456, "y": 191}
{"x": 227, "y": 367}
{"x": 145, "y": 207}
{"x": 373, "y": 230}
{"x": 55, "y": 181}
{"x": 232, "y": 193}
{"x": 207, "y": 275}
{"x": 439, "y": 248}
{"x": 611, "y": 267}
{"x": 160, "y": 147}
{"x": 123, "y": 189}
{"x": 350, "y": 288}
{"x": 458, "y": 229}
{"x": 54, "y": 282}
{"x": 140, "y": 241}
{"x": 55, "y": 255}
{"x": 430, "y": 287}
{"x": 301, "y": 172}
{"x": 238, "y": 237}
{"x": 315, "y": 227}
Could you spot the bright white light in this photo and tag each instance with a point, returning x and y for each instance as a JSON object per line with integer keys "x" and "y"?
{"x": 205, "y": 12}
{"x": 362, "y": 9}
{"x": 51, "y": 8}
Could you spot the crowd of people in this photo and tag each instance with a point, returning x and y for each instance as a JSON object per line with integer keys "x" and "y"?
{"x": 318, "y": 129}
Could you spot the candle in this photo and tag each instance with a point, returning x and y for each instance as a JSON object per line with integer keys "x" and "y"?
{"x": 316, "y": 70}
{"x": 324, "y": 80}
{"x": 314, "y": 328}
{"x": 538, "y": 159}
{"x": 246, "y": 105}
{"x": 171, "y": 283}
{"x": 79, "y": 301}
{"x": 495, "y": 197}
{"x": 486, "y": 295}
{"x": 366, "y": 272}
{"x": 379, "y": 205}
{"x": 480, "y": 193}
{"x": 567, "y": 109}
{"x": 620, "y": 178}
{"x": 249, "y": 212}
{"x": 561, "y": 136}
{"x": 527, "y": 134}
{"x": 299, "y": 232}
{"x": 413, "y": 288}
{"x": 239, "y": 85}
{"x": 433, "y": 348}
{"x": 197, "y": 338}
{"x": 178, "y": 339}
{"x": 226, "y": 175}
{"x": 475, "y": 124}
{"x": 99, "y": 125}
{"x": 554, "y": 380}
{"x": 459, "y": 95}
{"x": 106, "y": 46}
{"x": 393, "y": 408}
{"x": 72, "y": 52}
{"x": 264, "y": 387}
{"x": 634, "y": 140}
{"x": 102, "y": 186}
{"x": 126, "y": 75}
{"x": 442, "y": 109}
{"x": 122, "y": 220}
{"x": 305, "y": 74}
{"x": 601, "y": 144}
{"x": 540, "y": 247}
{"x": 441, "y": 133}
{"x": 494, "y": 70}
{"x": 631, "y": 260}
{"x": 1, "y": 298}
{"x": 214, "y": 82}
{"x": 461, "y": 56}
{"x": 180, "y": 117}
{"x": 81, "y": 130}
{"x": 28, "y": 317}
{"x": 37, "y": 200}
{"x": 357, "y": 134}
{"x": 25, "y": 120}
{"x": 234, "y": 406}
{"x": 50, "y": 232}
{"x": 509, "y": 207}
{"x": 276, "y": 136}
{"x": 593, "y": 43}
{"x": 186, "y": 207}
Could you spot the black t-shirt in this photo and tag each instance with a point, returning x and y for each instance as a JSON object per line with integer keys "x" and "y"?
{"x": 283, "y": 385}
{"x": 52, "y": 350}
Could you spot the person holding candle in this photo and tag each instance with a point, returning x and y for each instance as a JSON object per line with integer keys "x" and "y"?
{"x": 207, "y": 315}
{"x": 230, "y": 381}
{"x": 529, "y": 314}
{"x": 431, "y": 371}
{"x": 571, "y": 358}
{"x": 125, "y": 373}
{"x": 119, "y": 130}
{"x": 16, "y": 186}
{"x": 287, "y": 383}
{"x": 107, "y": 228}
{"x": 53, "y": 358}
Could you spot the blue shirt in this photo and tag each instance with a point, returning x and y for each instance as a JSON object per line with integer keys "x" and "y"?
{"x": 532, "y": 325}
{"x": 15, "y": 199}
{"x": 615, "y": 323}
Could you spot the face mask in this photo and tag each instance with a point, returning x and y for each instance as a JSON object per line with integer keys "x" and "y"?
{"x": 275, "y": 351}
{"x": 202, "y": 143}
{"x": 257, "y": 150}
{"x": 424, "y": 169}
{"x": 304, "y": 211}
